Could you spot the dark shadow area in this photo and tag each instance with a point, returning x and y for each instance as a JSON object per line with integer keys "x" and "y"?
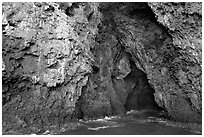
{"x": 95, "y": 69}
{"x": 67, "y": 8}
{"x": 142, "y": 95}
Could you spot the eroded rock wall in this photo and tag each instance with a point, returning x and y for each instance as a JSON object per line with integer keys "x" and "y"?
{"x": 63, "y": 61}
{"x": 182, "y": 93}
{"x": 47, "y": 60}
{"x": 168, "y": 52}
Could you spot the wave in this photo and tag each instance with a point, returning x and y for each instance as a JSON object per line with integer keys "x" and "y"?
{"x": 151, "y": 120}
{"x": 192, "y": 127}
{"x": 105, "y": 119}
{"x": 103, "y": 127}
{"x": 133, "y": 112}
{"x": 47, "y": 132}
{"x": 188, "y": 127}
{"x": 111, "y": 117}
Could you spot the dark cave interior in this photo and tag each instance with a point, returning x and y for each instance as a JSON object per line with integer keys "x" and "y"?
{"x": 142, "y": 95}
{"x": 133, "y": 92}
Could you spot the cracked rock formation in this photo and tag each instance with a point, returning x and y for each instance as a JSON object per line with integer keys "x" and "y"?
{"x": 182, "y": 93}
{"x": 47, "y": 60}
{"x": 66, "y": 61}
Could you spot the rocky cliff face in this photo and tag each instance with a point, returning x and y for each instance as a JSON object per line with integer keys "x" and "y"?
{"x": 67, "y": 61}
{"x": 181, "y": 89}
{"x": 47, "y": 60}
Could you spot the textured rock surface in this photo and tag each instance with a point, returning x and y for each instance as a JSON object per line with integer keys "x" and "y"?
{"x": 169, "y": 54}
{"x": 63, "y": 61}
{"x": 183, "y": 95}
{"x": 47, "y": 60}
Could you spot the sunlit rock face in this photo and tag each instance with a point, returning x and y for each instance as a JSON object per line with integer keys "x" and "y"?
{"x": 68, "y": 61}
{"x": 47, "y": 59}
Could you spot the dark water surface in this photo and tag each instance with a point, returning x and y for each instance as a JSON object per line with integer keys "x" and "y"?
{"x": 133, "y": 123}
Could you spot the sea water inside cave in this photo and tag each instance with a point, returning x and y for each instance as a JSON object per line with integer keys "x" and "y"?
{"x": 146, "y": 119}
{"x": 132, "y": 123}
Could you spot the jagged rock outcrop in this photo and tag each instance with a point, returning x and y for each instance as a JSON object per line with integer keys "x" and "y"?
{"x": 168, "y": 53}
{"x": 47, "y": 60}
{"x": 66, "y": 61}
{"x": 183, "y": 75}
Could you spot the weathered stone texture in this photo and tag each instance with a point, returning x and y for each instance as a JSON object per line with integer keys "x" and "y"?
{"x": 63, "y": 61}
{"x": 182, "y": 96}
{"x": 47, "y": 60}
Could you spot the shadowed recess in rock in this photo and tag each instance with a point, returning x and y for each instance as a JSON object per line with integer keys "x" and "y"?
{"x": 142, "y": 95}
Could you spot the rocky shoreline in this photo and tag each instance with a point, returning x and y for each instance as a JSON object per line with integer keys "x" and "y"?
{"x": 64, "y": 61}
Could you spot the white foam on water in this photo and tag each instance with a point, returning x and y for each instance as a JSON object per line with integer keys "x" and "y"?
{"x": 47, "y": 132}
{"x": 62, "y": 130}
{"x": 151, "y": 120}
{"x": 133, "y": 112}
{"x": 151, "y": 117}
{"x": 145, "y": 121}
{"x": 159, "y": 120}
{"x": 95, "y": 120}
{"x": 177, "y": 125}
{"x": 105, "y": 119}
{"x": 197, "y": 132}
{"x": 110, "y": 118}
{"x": 103, "y": 127}
{"x": 81, "y": 120}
